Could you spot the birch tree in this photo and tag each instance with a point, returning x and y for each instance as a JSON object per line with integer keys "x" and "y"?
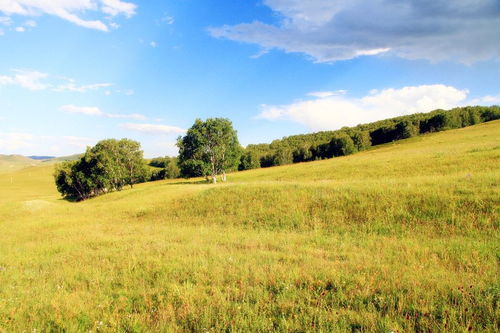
{"x": 209, "y": 148}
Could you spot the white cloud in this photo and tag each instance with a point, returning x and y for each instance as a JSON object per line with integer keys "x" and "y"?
{"x": 31, "y": 144}
{"x": 335, "y": 111}
{"x": 332, "y": 30}
{"x": 70, "y": 10}
{"x": 116, "y": 7}
{"x": 95, "y": 111}
{"x": 20, "y": 29}
{"x": 153, "y": 128}
{"x": 35, "y": 80}
{"x": 153, "y": 44}
{"x": 25, "y": 79}
{"x": 486, "y": 100}
{"x": 86, "y": 110}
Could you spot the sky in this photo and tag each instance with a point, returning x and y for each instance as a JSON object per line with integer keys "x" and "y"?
{"x": 73, "y": 72}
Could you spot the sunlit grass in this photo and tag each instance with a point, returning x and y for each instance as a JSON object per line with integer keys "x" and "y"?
{"x": 403, "y": 237}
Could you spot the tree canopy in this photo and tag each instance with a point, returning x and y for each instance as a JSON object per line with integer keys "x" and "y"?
{"x": 108, "y": 166}
{"x": 209, "y": 148}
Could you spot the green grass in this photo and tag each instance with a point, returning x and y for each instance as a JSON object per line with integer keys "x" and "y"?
{"x": 403, "y": 237}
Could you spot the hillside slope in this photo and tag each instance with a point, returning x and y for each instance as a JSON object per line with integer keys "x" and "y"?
{"x": 401, "y": 237}
{"x": 15, "y": 162}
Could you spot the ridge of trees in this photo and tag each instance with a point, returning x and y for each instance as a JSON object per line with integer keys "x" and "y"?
{"x": 349, "y": 140}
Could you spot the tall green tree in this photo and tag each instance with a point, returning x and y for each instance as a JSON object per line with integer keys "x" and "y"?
{"x": 109, "y": 165}
{"x": 209, "y": 148}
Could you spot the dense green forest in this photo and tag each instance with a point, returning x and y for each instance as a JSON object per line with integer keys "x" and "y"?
{"x": 348, "y": 140}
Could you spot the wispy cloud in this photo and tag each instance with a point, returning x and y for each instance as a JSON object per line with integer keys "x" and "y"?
{"x": 168, "y": 19}
{"x": 73, "y": 86}
{"x": 153, "y": 128}
{"x": 95, "y": 111}
{"x": 71, "y": 10}
{"x": 331, "y": 111}
{"x": 35, "y": 80}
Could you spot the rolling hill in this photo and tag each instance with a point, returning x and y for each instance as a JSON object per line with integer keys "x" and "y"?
{"x": 402, "y": 237}
{"x": 15, "y": 162}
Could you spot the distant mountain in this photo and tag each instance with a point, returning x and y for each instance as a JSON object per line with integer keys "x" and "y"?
{"x": 63, "y": 158}
{"x": 41, "y": 157}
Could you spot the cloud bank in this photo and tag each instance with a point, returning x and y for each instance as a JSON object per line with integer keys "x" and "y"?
{"x": 331, "y": 30}
{"x": 332, "y": 111}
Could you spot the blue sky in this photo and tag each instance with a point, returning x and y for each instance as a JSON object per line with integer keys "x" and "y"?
{"x": 73, "y": 72}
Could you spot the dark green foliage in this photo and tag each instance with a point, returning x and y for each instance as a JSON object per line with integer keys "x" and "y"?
{"x": 249, "y": 160}
{"x": 342, "y": 145}
{"x": 109, "y": 165}
{"x": 302, "y": 154}
{"x": 439, "y": 122}
{"x": 327, "y": 144}
{"x": 209, "y": 147}
{"x": 405, "y": 129}
{"x": 166, "y": 168}
{"x": 283, "y": 156}
{"x": 361, "y": 139}
{"x": 489, "y": 114}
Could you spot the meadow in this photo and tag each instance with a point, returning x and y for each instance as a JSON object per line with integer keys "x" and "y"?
{"x": 402, "y": 237}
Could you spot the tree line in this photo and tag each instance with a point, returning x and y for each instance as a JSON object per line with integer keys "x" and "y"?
{"x": 211, "y": 148}
{"x": 349, "y": 140}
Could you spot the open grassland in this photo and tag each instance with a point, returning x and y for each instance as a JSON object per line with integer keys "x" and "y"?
{"x": 403, "y": 237}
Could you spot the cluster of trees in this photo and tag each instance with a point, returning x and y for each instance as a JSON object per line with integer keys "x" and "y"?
{"x": 348, "y": 140}
{"x": 164, "y": 168}
{"x": 209, "y": 148}
{"x": 108, "y": 166}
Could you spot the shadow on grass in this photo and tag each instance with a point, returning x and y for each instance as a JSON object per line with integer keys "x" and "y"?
{"x": 69, "y": 199}
{"x": 188, "y": 182}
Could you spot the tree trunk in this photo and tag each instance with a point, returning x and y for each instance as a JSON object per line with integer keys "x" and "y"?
{"x": 224, "y": 176}
{"x": 214, "y": 179}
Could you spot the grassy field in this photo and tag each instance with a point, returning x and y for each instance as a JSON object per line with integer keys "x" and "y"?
{"x": 403, "y": 237}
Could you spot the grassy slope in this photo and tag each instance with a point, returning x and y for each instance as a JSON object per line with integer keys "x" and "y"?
{"x": 402, "y": 237}
{"x": 9, "y": 163}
